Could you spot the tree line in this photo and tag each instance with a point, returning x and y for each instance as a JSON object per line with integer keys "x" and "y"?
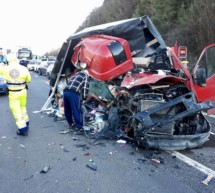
{"x": 190, "y": 23}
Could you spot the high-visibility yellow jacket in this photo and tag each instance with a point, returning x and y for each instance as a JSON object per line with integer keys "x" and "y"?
{"x": 16, "y": 76}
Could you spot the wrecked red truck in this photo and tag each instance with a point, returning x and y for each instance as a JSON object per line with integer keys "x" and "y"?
{"x": 140, "y": 90}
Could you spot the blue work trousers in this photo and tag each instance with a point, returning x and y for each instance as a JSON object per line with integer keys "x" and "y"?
{"x": 72, "y": 108}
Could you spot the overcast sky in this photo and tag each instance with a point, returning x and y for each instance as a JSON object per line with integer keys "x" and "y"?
{"x": 41, "y": 24}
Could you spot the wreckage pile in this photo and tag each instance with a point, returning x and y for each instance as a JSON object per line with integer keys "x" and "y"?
{"x": 140, "y": 90}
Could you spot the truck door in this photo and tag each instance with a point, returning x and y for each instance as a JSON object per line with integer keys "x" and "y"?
{"x": 204, "y": 74}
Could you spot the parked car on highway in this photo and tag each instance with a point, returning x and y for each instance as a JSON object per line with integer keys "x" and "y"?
{"x": 32, "y": 64}
{"x": 49, "y": 70}
{"x": 3, "y": 86}
{"x": 37, "y": 65}
{"x": 42, "y": 68}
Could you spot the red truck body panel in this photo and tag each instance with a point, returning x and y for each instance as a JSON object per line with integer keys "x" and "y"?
{"x": 134, "y": 80}
{"x": 96, "y": 53}
{"x": 206, "y": 92}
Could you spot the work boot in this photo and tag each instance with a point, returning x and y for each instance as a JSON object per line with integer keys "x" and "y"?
{"x": 80, "y": 132}
{"x": 22, "y": 133}
{"x": 72, "y": 127}
{"x": 69, "y": 129}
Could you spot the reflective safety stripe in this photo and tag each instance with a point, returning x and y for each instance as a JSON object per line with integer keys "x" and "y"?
{"x": 20, "y": 122}
{"x": 11, "y": 88}
{"x": 22, "y": 126}
{"x": 13, "y": 82}
{"x": 16, "y": 85}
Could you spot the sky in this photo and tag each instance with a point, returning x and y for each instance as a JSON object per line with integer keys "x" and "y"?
{"x": 42, "y": 25}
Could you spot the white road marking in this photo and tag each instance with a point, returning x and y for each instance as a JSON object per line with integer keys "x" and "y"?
{"x": 43, "y": 81}
{"x": 36, "y": 111}
{"x": 213, "y": 116}
{"x": 193, "y": 163}
{"x": 46, "y": 82}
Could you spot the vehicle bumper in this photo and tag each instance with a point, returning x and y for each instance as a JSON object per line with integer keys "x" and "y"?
{"x": 3, "y": 88}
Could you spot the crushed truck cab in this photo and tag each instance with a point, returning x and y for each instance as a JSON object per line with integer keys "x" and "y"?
{"x": 107, "y": 57}
{"x": 145, "y": 92}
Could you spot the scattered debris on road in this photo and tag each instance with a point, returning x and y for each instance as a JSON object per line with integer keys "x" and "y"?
{"x": 92, "y": 166}
{"x": 45, "y": 169}
{"x": 21, "y": 145}
{"x": 207, "y": 180}
{"x": 28, "y": 178}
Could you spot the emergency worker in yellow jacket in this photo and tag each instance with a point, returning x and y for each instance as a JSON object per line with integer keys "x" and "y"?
{"x": 17, "y": 77}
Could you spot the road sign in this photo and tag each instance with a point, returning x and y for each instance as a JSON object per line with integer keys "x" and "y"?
{"x": 182, "y": 52}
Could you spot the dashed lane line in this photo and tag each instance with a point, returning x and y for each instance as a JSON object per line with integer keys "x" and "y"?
{"x": 193, "y": 163}
{"x": 46, "y": 82}
{"x": 43, "y": 81}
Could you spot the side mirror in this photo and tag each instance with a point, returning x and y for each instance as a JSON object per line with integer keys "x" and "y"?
{"x": 200, "y": 77}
